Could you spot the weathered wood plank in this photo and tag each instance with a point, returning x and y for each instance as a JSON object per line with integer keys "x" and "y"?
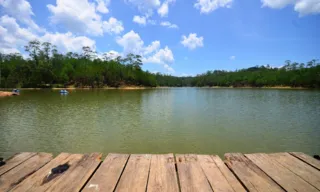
{"x": 106, "y": 177}
{"x": 15, "y": 161}
{"x": 233, "y": 181}
{"x": 215, "y": 177}
{"x": 307, "y": 159}
{"x": 191, "y": 176}
{"x": 75, "y": 178}
{"x": 163, "y": 176}
{"x": 81, "y": 168}
{"x": 250, "y": 175}
{"x": 305, "y": 171}
{"x": 284, "y": 177}
{"x": 135, "y": 175}
{"x": 35, "y": 182}
{"x": 20, "y": 172}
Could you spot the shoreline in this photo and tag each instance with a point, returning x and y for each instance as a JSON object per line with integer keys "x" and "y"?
{"x": 90, "y": 88}
{"x": 79, "y": 88}
{"x": 6, "y": 91}
{"x": 248, "y": 87}
{"x": 5, "y": 94}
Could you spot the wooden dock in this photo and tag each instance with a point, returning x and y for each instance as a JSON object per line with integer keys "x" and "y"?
{"x": 169, "y": 173}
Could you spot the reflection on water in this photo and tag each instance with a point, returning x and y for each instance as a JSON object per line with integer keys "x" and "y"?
{"x": 178, "y": 120}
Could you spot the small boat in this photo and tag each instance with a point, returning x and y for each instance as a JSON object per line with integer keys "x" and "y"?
{"x": 63, "y": 91}
{"x": 15, "y": 92}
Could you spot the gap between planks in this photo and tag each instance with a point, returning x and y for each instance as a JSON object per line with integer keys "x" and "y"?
{"x": 15, "y": 160}
{"x": 197, "y": 161}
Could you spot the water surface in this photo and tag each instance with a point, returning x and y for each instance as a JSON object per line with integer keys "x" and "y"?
{"x": 177, "y": 120}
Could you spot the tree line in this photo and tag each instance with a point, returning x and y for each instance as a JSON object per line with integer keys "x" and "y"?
{"x": 292, "y": 74}
{"x": 46, "y": 67}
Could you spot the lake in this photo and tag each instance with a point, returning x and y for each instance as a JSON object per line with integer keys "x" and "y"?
{"x": 177, "y": 120}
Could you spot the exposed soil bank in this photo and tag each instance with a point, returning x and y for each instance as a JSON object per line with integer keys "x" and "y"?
{"x": 122, "y": 87}
{"x": 5, "y": 91}
{"x": 5, "y": 94}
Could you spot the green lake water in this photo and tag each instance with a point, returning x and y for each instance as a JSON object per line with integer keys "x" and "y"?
{"x": 177, "y": 120}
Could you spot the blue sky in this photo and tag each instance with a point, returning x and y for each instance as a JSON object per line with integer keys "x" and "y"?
{"x": 180, "y": 37}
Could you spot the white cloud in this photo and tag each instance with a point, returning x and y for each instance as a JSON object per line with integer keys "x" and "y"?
{"x": 163, "y": 56}
{"x": 12, "y": 35}
{"x": 78, "y": 16}
{"x": 22, "y": 11}
{"x": 102, "y": 6}
{"x": 192, "y": 41}
{"x": 110, "y": 55}
{"x": 113, "y": 54}
{"x": 232, "y": 57}
{"x": 81, "y": 16}
{"x": 169, "y": 69}
{"x": 68, "y": 42}
{"x": 163, "y": 10}
{"x": 169, "y": 25}
{"x": 155, "y": 45}
{"x": 132, "y": 43}
{"x": 113, "y": 26}
{"x": 146, "y": 7}
{"x": 207, "y": 6}
{"x": 303, "y": 7}
{"x": 140, "y": 20}
{"x": 13, "y": 38}
{"x": 8, "y": 50}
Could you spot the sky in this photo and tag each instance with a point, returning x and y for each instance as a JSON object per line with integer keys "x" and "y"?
{"x": 178, "y": 37}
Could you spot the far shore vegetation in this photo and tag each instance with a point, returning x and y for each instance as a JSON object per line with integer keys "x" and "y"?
{"x": 48, "y": 68}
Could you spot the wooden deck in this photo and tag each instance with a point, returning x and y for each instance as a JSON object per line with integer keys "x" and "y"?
{"x": 168, "y": 173}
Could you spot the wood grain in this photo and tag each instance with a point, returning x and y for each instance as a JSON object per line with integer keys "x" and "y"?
{"x": 106, "y": 177}
{"x": 35, "y": 182}
{"x": 217, "y": 180}
{"x": 20, "y": 172}
{"x": 283, "y": 176}
{"x": 163, "y": 176}
{"x": 307, "y": 159}
{"x": 78, "y": 174}
{"x": 250, "y": 175}
{"x": 191, "y": 176}
{"x": 15, "y": 161}
{"x": 300, "y": 168}
{"x": 28, "y": 172}
{"x": 233, "y": 181}
{"x": 135, "y": 175}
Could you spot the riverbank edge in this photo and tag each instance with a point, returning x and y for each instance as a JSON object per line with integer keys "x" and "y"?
{"x": 4, "y": 91}
{"x": 79, "y": 88}
{"x": 248, "y": 87}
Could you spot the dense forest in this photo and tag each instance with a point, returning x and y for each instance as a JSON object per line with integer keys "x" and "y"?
{"x": 292, "y": 74}
{"x": 46, "y": 67}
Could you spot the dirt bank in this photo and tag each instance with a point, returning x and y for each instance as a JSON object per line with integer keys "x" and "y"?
{"x": 122, "y": 87}
{"x": 5, "y": 94}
